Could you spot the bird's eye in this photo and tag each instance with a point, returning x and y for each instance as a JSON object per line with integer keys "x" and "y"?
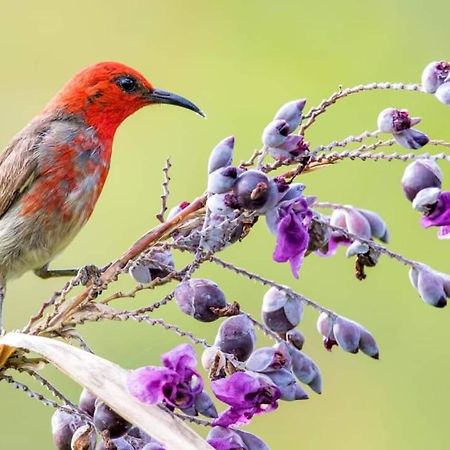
{"x": 127, "y": 84}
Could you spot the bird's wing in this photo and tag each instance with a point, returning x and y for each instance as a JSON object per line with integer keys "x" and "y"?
{"x": 18, "y": 165}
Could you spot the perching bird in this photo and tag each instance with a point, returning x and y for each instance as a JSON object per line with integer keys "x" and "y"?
{"x": 53, "y": 171}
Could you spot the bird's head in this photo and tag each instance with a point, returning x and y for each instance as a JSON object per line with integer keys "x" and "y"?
{"x": 105, "y": 94}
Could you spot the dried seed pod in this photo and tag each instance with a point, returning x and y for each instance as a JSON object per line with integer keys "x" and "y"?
{"x": 281, "y": 312}
{"x": 200, "y": 298}
{"x": 236, "y": 335}
{"x": 84, "y": 438}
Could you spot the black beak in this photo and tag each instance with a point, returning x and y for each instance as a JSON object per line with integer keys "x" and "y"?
{"x": 161, "y": 96}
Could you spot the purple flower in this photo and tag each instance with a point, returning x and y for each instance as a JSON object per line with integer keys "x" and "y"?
{"x": 439, "y": 216}
{"x": 248, "y": 394}
{"x": 294, "y": 218}
{"x": 177, "y": 383}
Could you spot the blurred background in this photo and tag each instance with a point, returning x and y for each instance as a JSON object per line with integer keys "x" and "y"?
{"x": 239, "y": 61}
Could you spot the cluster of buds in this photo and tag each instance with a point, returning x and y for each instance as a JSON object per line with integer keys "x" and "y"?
{"x": 72, "y": 432}
{"x": 277, "y": 137}
{"x": 436, "y": 80}
{"x": 347, "y": 334}
{"x": 398, "y": 123}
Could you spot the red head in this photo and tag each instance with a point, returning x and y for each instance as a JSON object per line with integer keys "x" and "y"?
{"x": 105, "y": 94}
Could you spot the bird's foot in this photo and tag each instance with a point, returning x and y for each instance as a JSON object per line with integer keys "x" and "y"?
{"x": 89, "y": 273}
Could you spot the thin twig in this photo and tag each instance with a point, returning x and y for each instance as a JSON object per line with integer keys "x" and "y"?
{"x": 165, "y": 189}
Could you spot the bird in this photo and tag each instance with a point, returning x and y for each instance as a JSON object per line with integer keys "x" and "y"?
{"x": 53, "y": 171}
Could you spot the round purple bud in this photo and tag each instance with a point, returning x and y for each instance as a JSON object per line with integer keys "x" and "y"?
{"x": 285, "y": 382}
{"x": 199, "y": 298}
{"x": 281, "y": 312}
{"x": 255, "y": 191}
{"x": 87, "y": 402}
{"x": 347, "y": 334}
{"x": 105, "y": 419}
{"x": 296, "y": 338}
{"x": 443, "y": 93}
{"x": 434, "y": 75}
{"x": 236, "y": 335}
{"x": 421, "y": 174}
{"x": 64, "y": 426}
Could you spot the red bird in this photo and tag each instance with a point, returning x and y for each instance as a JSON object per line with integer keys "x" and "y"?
{"x": 53, "y": 171}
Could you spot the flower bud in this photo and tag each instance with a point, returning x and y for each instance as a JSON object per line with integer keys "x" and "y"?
{"x": 177, "y": 209}
{"x": 236, "y": 336}
{"x": 306, "y": 370}
{"x": 281, "y": 312}
{"x": 434, "y": 75}
{"x": 325, "y": 328}
{"x": 368, "y": 345}
{"x": 255, "y": 191}
{"x": 430, "y": 284}
{"x": 356, "y": 248}
{"x": 412, "y": 139}
{"x": 221, "y": 155}
{"x": 223, "y": 204}
{"x": 225, "y": 438}
{"x": 295, "y": 145}
{"x": 84, "y": 438}
{"x": 222, "y": 180}
{"x": 392, "y": 120}
{"x": 285, "y": 382}
{"x": 347, "y": 334}
{"x": 294, "y": 191}
{"x": 205, "y": 406}
{"x": 87, "y": 402}
{"x": 296, "y": 338}
{"x": 357, "y": 224}
{"x": 378, "y": 228}
{"x": 291, "y": 112}
{"x": 157, "y": 264}
{"x": 198, "y": 297}
{"x": 64, "y": 426}
{"x": 443, "y": 93}
{"x": 105, "y": 419}
{"x": 139, "y": 434}
{"x": 269, "y": 359}
{"x": 426, "y": 199}
{"x": 275, "y": 133}
{"x": 251, "y": 441}
{"x": 421, "y": 174}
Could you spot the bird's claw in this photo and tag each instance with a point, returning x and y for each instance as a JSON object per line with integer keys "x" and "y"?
{"x": 88, "y": 273}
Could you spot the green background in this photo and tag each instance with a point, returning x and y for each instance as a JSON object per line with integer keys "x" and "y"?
{"x": 239, "y": 60}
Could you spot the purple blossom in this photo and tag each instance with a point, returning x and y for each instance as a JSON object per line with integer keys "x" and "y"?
{"x": 439, "y": 216}
{"x": 248, "y": 394}
{"x": 294, "y": 218}
{"x": 177, "y": 383}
